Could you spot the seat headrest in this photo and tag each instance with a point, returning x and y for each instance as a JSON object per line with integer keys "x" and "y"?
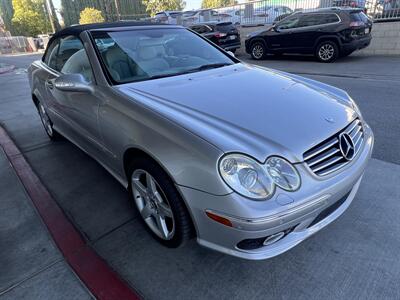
{"x": 76, "y": 62}
{"x": 115, "y": 54}
{"x": 147, "y": 52}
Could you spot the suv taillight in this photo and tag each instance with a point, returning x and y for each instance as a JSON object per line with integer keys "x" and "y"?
{"x": 356, "y": 24}
{"x": 220, "y": 34}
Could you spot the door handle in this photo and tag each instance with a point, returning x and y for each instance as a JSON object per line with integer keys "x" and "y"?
{"x": 50, "y": 84}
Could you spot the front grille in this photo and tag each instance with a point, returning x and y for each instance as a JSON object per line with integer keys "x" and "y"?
{"x": 326, "y": 157}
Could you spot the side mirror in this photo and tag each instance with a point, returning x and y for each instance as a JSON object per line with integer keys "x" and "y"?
{"x": 275, "y": 28}
{"x": 72, "y": 83}
{"x": 231, "y": 53}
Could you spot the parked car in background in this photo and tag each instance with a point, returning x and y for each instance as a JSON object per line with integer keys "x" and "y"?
{"x": 199, "y": 16}
{"x": 390, "y": 9}
{"x": 269, "y": 13}
{"x": 248, "y": 160}
{"x": 223, "y": 34}
{"x": 231, "y": 15}
{"x": 167, "y": 17}
{"x": 326, "y": 33}
{"x": 349, "y": 3}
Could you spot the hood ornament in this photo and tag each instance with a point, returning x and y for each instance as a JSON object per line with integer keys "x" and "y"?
{"x": 346, "y": 146}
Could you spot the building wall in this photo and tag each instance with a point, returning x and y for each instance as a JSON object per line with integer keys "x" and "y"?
{"x": 385, "y": 39}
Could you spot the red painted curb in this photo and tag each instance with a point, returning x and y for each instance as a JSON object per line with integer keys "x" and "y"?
{"x": 93, "y": 271}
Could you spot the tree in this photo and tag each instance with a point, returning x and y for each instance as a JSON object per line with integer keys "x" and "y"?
{"x": 216, "y": 3}
{"x": 155, "y": 6}
{"x": 30, "y": 17}
{"x": 90, "y": 15}
{"x": 7, "y": 12}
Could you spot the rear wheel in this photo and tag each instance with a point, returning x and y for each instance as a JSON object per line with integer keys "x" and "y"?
{"x": 327, "y": 51}
{"x": 159, "y": 203}
{"x": 258, "y": 50}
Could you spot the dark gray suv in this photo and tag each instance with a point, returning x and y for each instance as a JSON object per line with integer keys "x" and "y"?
{"x": 327, "y": 33}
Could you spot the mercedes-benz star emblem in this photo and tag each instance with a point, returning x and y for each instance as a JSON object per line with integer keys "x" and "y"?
{"x": 346, "y": 146}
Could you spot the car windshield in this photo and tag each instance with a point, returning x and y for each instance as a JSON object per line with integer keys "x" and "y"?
{"x": 144, "y": 54}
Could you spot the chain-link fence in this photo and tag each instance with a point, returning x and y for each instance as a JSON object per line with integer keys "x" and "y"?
{"x": 270, "y": 11}
{"x": 14, "y": 44}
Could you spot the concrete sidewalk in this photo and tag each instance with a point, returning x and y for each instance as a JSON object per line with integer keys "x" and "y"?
{"x": 31, "y": 265}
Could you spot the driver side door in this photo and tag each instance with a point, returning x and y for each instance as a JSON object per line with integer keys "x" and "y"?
{"x": 77, "y": 111}
{"x": 281, "y": 37}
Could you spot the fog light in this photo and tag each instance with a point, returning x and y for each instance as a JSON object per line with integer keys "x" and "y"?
{"x": 274, "y": 238}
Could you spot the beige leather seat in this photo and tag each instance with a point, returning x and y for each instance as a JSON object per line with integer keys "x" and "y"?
{"x": 78, "y": 63}
{"x": 121, "y": 66}
{"x": 151, "y": 61}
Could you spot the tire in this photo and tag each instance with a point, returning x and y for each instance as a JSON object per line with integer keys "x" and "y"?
{"x": 258, "y": 50}
{"x": 47, "y": 123}
{"x": 164, "y": 213}
{"x": 327, "y": 52}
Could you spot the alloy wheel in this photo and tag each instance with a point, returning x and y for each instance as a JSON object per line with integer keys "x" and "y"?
{"x": 152, "y": 204}
{"x": 257, "y": 51}
{"x": 326, "y": 52}
{"x": 45, "y": 120}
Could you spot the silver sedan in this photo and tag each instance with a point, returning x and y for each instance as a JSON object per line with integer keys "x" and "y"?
{"x": 249, "y": 161}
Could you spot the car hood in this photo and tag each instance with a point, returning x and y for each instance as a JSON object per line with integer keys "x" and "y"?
{"x": 248, "y": 109}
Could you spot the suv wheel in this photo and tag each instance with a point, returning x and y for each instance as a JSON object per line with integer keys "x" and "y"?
{"x": 327, "y": 51}
{"x": 159, "y": 203}
{"x": 258, "y": 50}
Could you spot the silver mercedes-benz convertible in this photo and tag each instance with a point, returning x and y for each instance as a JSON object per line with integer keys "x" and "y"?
{"x": 250, "y": 161}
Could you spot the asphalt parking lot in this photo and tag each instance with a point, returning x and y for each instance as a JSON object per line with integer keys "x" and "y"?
{"x": 356, "y": 257}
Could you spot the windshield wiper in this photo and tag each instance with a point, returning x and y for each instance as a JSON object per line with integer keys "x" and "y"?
{"x": 211, "y": 66}
{"x": 201, "y": 68}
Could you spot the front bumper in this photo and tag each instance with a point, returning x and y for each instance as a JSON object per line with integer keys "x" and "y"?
{"x": 298, "y": 214}
{"x": 232, "y": 46}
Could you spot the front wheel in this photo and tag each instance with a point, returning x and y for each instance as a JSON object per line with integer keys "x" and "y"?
{"x": 47, "y": 123}
{"x": 258, "y": 50}
{"x": 159, "y": 203}
{"x": 327, "y": 52}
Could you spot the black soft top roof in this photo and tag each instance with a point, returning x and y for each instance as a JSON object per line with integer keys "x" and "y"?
{"x": 77, "y": 29}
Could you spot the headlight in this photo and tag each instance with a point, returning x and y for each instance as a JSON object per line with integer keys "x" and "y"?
{"x": 257, "y": 181}
{"x": 246, "y": 176}
{"x": 355, "y": 107}
{"x": 283, "y": 173}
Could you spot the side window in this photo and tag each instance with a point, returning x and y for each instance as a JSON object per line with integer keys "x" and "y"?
{"x": 68, "y": 46}
{"x": 311, "y": 20}
{"x": 50, "y": 58}
{"x": 317, "y": 19}
{"x": 289, "y": 23}
{"x": 78, "y": 63}
{"x": 331, "y": 18}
